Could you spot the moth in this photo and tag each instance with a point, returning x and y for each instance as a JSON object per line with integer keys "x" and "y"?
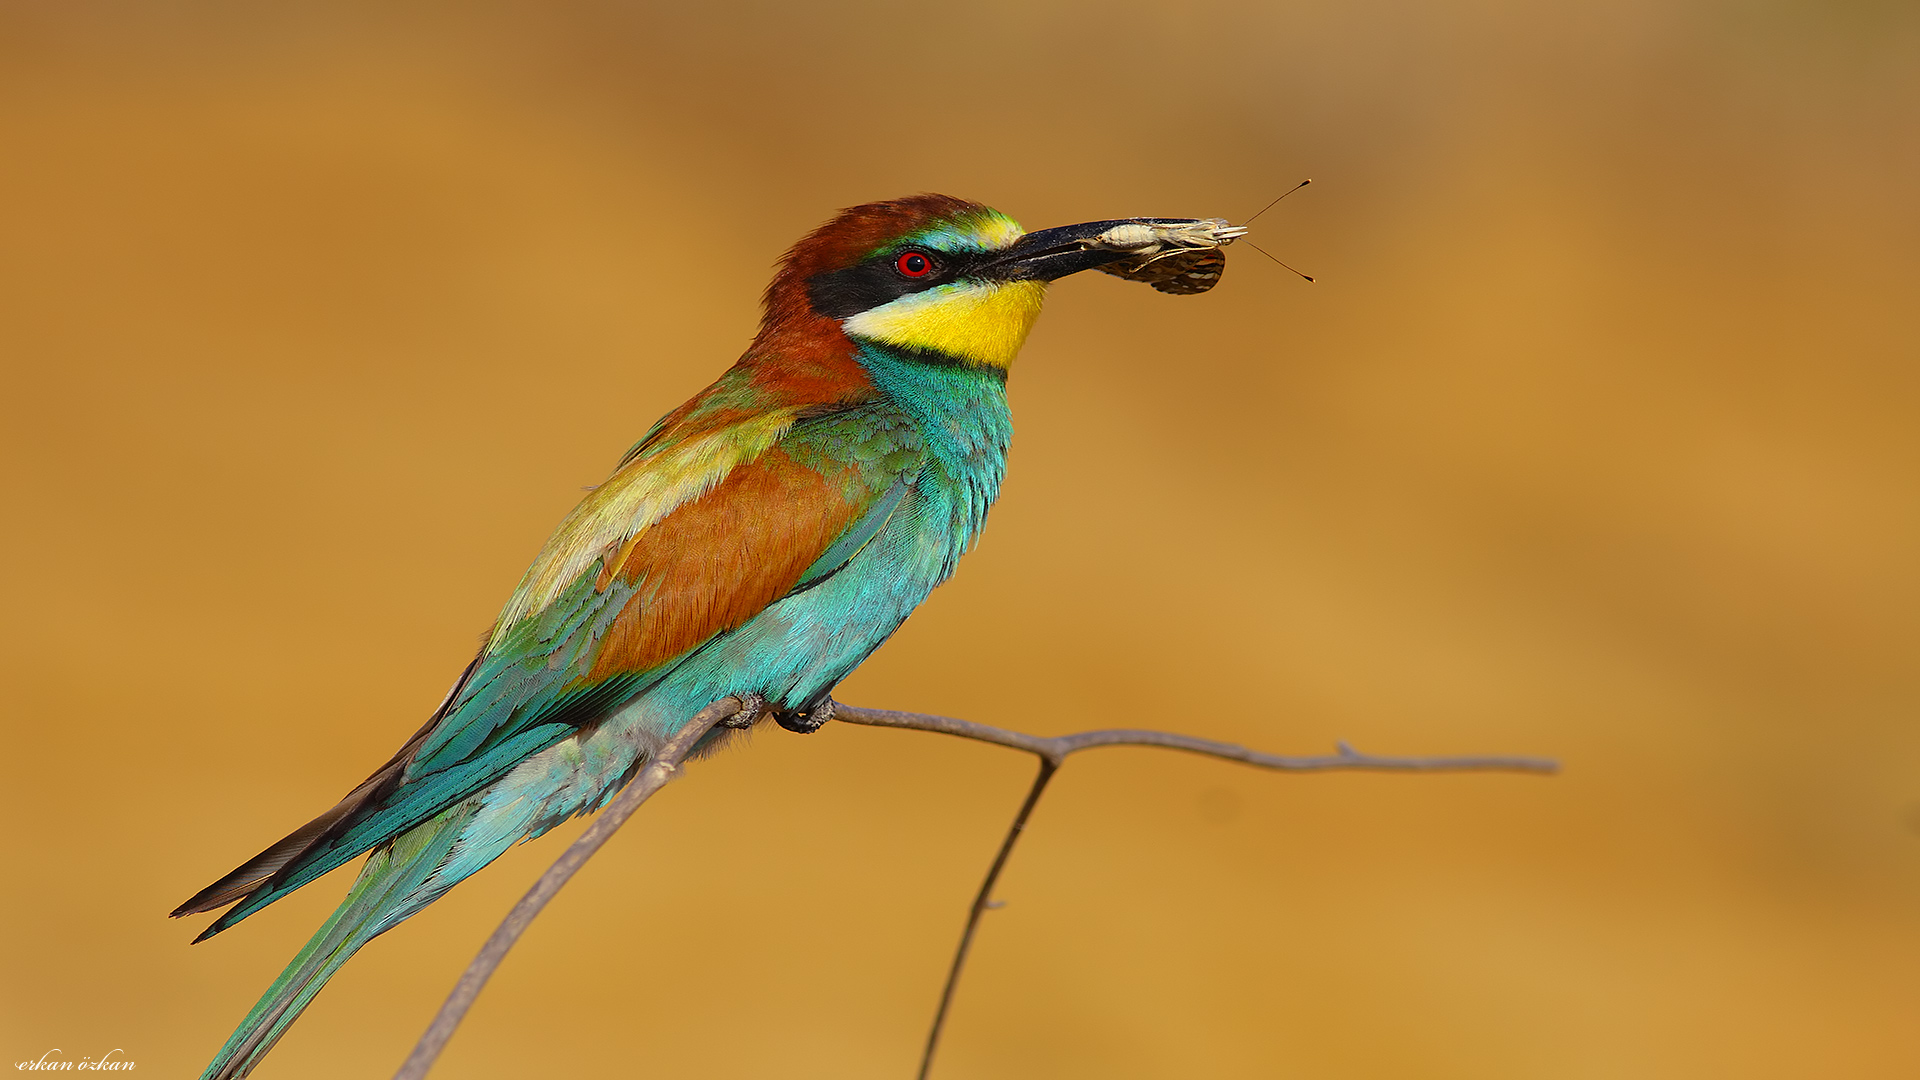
{"x": 1181, "y": 256}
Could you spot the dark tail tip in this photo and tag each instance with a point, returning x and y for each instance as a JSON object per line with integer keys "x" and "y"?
{"x": 217, "y": 895}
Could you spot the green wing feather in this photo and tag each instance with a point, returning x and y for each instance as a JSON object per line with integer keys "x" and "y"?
{"x": 528, "y": 689}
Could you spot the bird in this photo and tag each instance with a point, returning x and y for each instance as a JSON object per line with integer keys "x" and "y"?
{"x": 761, "y": 540}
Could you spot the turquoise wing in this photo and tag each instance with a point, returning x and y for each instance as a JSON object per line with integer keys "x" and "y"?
{"x": 769, "y": 525}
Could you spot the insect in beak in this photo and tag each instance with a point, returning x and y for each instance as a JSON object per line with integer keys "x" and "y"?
{"x": 1174, "y": 255}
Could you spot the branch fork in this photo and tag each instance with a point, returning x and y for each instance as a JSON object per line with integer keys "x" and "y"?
{"x": 742, "y": 710}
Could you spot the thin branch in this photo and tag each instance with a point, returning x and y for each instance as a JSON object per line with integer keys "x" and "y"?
{"x": 742, "y": 709}
{"x": 655, "y": 776}
{"x": 1056, "y": 748}
{"x": 1053, "y": 752}
{"x": 981, "y": 903}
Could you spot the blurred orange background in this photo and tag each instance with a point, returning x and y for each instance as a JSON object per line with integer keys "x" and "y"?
{"x": 1596, "y": 439}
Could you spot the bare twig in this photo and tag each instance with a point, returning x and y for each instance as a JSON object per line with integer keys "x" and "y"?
{"x": 1053, "y": 752}
{"x": 1056, "y": 748}
{"x": 981, "y": 902}
{"x": 651, "y": 779}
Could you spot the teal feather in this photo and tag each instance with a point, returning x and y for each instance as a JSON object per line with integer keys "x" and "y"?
{"x": 388, "y": 890}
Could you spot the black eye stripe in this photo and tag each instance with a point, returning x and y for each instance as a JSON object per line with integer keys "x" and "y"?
{"x": 840, "y": 294}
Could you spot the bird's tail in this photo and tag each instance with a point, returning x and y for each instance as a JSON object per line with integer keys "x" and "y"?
{"x": 396, "y": 881}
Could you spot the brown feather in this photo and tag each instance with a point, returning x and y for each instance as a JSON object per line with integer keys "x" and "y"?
{"x": 713, "y": 564}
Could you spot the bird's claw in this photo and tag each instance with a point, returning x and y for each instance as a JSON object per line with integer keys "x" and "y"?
{"x": 752, "y": 707}
{"x": 805, "y": 721}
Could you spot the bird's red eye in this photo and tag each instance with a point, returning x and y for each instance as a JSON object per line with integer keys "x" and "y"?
{"x": 914, "y": 264}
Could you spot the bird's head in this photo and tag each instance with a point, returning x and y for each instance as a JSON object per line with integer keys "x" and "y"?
{"x": 930, "y": 274}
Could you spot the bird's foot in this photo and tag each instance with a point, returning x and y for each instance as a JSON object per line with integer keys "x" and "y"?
{"x": 752, "y": 707}
{"x": 805, "y": 721}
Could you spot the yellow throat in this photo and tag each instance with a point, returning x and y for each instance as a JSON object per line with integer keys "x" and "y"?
{"x": 978, "y": 322}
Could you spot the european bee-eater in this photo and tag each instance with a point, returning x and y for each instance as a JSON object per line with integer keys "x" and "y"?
{"x": 765, "y": 538}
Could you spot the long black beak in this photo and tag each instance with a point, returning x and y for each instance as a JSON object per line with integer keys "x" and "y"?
{"x": 1068, "y": 249}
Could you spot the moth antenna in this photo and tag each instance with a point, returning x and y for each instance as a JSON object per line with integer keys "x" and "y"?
{"x": 1276, "y": 202}
{"x": 1269, "y": 254}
